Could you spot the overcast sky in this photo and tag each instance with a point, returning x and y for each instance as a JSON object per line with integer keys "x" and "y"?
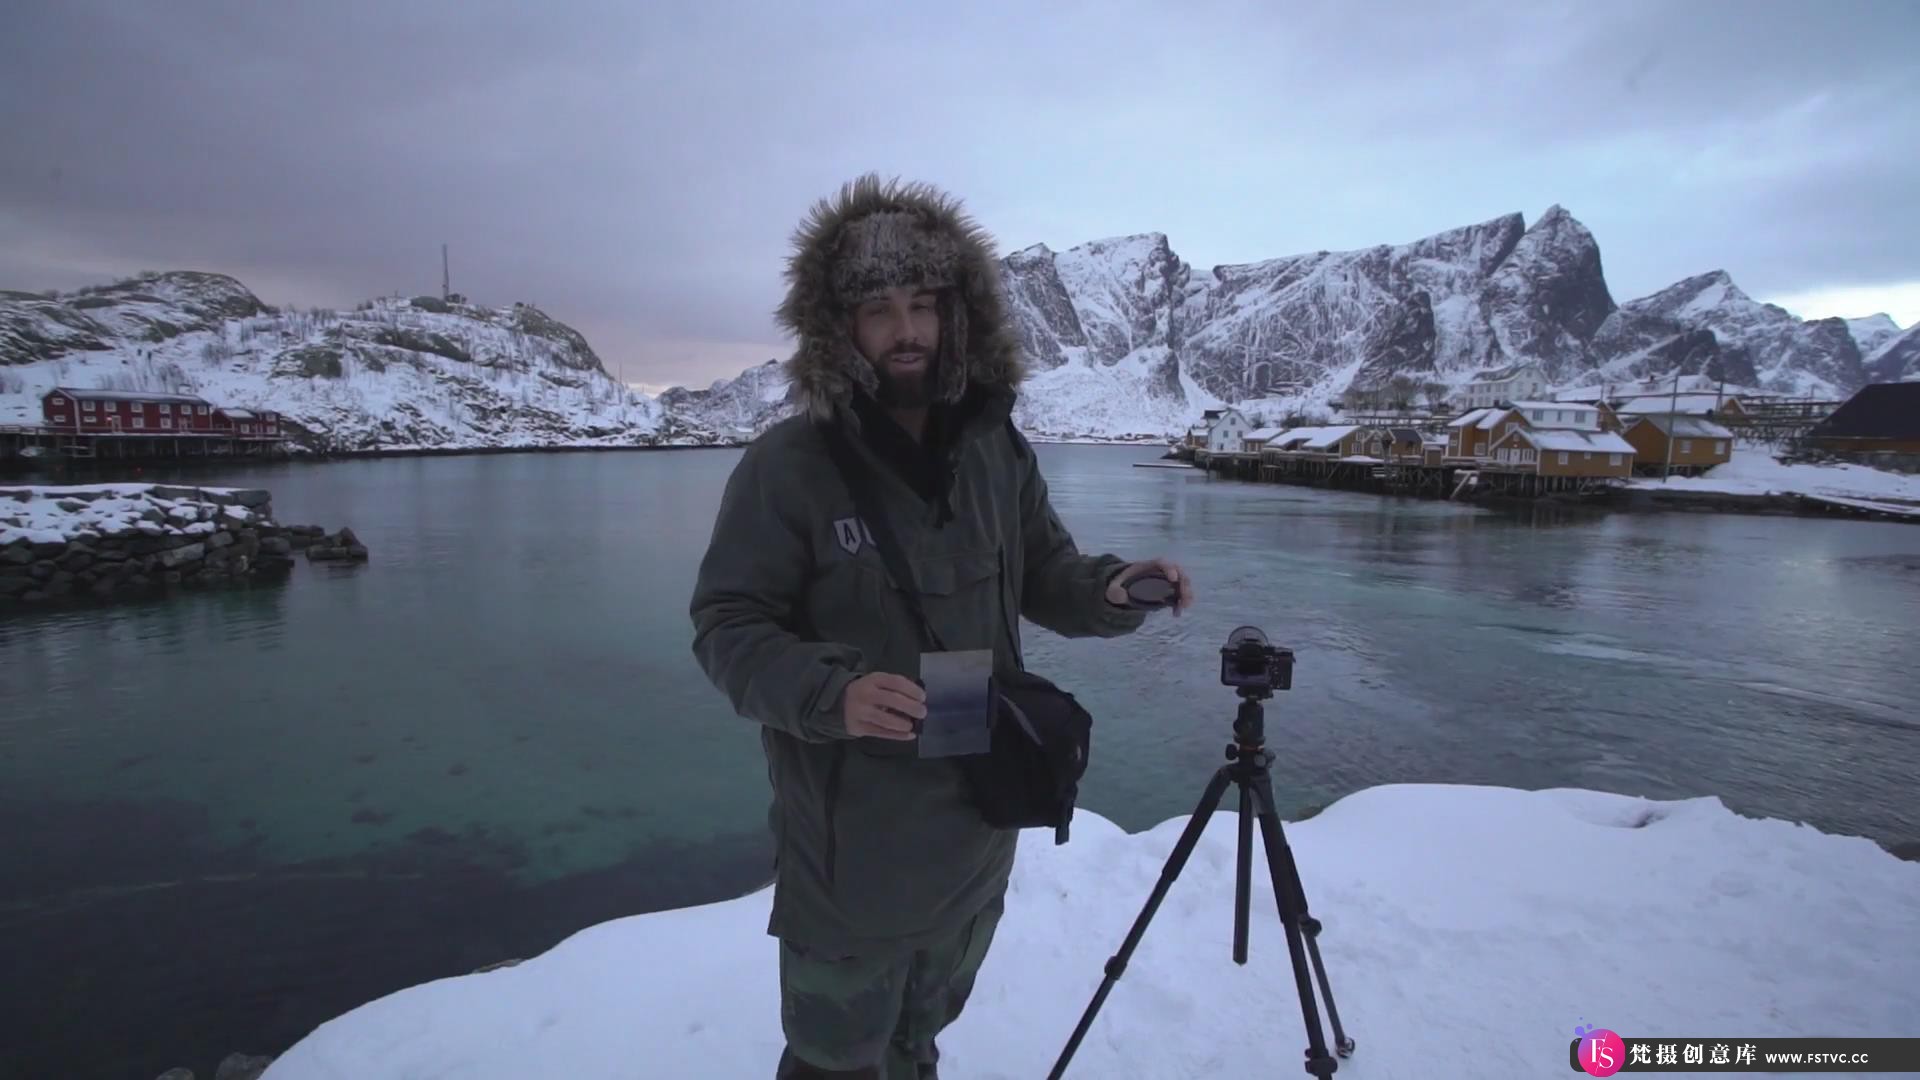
{"x": 637, "y": 169}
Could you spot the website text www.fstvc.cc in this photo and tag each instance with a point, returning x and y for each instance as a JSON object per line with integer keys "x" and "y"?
{"x": 1607, "y": 1056}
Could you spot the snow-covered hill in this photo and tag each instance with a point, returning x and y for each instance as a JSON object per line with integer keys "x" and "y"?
{"x": 392, "y": 374}
{"x": 1125, "y": 338}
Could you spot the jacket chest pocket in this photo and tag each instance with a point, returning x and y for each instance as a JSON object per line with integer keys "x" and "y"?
{"x": 844, "y": 603}
{"x": 962, "y": 594}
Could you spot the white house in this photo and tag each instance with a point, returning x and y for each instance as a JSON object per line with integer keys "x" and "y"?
{"x": 1564, "y": 415}
{"x": 1497, "y": 386}
{"x": 1226, "y": 430}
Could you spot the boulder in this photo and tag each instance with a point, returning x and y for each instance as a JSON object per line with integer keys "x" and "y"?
{"x": 176, "y": 1074}
{"x": 252, "y": 498}
{"x": 342, "y": 546}
{"x": 189, "y": 553}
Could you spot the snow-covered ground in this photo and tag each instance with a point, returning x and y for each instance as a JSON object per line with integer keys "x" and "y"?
{"x": 1467, "y": 931}
{"x": 1755, "y": 472}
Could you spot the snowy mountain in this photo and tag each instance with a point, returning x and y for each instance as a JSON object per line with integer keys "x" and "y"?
{"x": 1705, "y": 324}
{"x": 732, "y": 409}
{"x": 1897, "y": 358}
{"x": 392, "y": 374}
{"x": 1125, "y": 338}
{"x": 1872, "y": 332}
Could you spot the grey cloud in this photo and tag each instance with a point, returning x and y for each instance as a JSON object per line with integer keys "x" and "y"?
{"x": 638, "y": 172}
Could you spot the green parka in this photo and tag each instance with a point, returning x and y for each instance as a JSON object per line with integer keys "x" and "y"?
{"x": 876, "y": 848}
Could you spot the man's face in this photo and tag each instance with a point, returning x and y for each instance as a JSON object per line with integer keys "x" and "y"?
{"x": 899, "y": 334}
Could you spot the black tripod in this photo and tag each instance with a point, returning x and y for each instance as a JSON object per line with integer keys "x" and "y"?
{"x": 1247, "y": 759}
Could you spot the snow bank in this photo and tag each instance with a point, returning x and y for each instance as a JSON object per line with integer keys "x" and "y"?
{"x": 1467, "y": 930}
{"x": 1755, "y": 472}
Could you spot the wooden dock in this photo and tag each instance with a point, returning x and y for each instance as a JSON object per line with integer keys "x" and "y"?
{"x": 1474, "y": 480}
{"x": 1387, "y": 477}
{"x": 39, "y": 443}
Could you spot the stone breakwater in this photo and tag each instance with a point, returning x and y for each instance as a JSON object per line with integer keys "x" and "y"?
{"x": 106, "y": 541}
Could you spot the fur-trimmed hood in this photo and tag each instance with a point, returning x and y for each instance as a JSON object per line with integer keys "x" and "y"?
{"x": 872, "y": 235}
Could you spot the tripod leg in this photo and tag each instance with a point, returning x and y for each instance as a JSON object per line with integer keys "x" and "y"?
{"x": 1242, "y": 890}
{"x": 1291, "y": 897}
{"x": 1209, "y": 802}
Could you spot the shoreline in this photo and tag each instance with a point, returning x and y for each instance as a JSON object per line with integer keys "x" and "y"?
{"x": 1622, "y": 499}
{"x": 36, "y": 465}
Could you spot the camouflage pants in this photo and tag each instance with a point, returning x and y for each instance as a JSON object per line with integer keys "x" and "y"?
{"x": 875, "y": 1018}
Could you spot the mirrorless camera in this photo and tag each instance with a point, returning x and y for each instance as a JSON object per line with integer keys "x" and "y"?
{"x": 1248, "y": 662}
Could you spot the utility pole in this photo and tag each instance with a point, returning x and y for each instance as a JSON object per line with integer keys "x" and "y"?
{"x": 1673, "y": 403}
{"x": 446, "y": 277}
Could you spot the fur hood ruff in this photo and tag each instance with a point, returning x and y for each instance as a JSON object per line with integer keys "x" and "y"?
{"x": 874, "y": 235}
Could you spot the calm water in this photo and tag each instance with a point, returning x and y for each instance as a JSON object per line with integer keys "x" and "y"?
{"x": 231, "y": 817}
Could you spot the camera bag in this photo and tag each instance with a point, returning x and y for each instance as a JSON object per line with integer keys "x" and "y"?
{"x": 1040, "y": 735}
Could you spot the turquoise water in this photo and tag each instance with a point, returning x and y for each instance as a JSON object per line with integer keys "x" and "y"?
{"x": 236, "y": 815}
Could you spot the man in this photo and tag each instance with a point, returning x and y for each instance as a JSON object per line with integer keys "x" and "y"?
{"x": 887, "y": 885}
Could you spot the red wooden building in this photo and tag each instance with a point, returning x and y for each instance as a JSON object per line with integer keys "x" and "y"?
{"x": 124, "y": 412}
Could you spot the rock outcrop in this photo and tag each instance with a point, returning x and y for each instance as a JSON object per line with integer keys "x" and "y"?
{"x": 112, "y": 541}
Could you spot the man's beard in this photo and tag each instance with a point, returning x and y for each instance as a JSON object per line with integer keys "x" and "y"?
{"x": 907, "y": 389}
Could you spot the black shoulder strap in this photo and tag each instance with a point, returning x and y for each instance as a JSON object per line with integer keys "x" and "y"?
{"x": 858, "y": 482}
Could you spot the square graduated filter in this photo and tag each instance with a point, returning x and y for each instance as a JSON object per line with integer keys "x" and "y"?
{"x": 958, "y": 716}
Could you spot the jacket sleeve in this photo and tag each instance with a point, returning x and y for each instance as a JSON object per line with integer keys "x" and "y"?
{"x": 746, "y": 600}
{"x": 1064, "y": 590}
